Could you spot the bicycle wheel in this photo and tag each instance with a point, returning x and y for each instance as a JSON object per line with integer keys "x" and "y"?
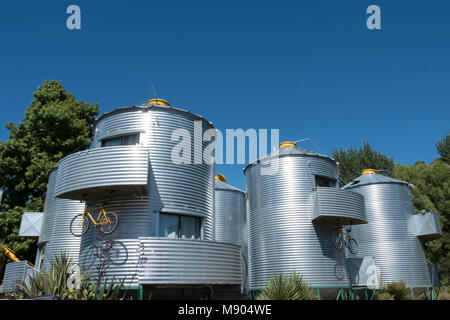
{"x": 109, "y": 227}
{"x": 79, "y": 225}
{"x": 339, "y": 271}
{"x": 88, "y": 258}
{"x": 337, "y": 240}
{"x": 118, "y": 253}
{"x": 352, "y": 246}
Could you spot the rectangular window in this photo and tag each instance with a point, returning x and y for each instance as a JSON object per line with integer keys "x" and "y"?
{"x": 127, "y": 140}
{"x": 189, "y": 227}
{"x": 175, "y": 226}
{"x": 325, "y": 182}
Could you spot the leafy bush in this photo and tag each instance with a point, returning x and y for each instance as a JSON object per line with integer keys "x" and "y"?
{"x": 58, "y": 281}
{"x": 398, "y": 290}
{"x": 383, "y": 296}
{"x": 290, "y": 287}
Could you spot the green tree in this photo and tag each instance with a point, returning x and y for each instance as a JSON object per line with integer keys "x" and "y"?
{"x": 354, "y": 160}
{"x": 432, "y": 193}
{"x": 55, "y": 125}
{"x": 443, "y": 148}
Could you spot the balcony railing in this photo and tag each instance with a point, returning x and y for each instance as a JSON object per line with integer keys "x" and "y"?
{"x": 184, "y": 261}
{"x": 337, "y": 205}
{"x": 427, "y": 226}
{"x": 98, "y": 173}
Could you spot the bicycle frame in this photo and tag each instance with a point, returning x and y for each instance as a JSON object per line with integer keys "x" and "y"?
{"x": 345, "y": 237}
{"x": 97, "y": 221}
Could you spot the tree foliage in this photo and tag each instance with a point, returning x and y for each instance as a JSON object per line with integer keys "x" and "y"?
{"x": 443, "y": 148}
{"x": 354, "y": 160}
{"x": 55, "y": 125}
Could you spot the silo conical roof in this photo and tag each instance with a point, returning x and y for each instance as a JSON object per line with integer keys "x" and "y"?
{"x": 288, "y": 148}
{"x": 370, "y": 177}
{"x": 222, "y": 185}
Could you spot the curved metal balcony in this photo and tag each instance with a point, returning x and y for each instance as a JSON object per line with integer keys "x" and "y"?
{"x": 427, "y": 226}
{"x": 184, "y": 261}
{"x": 338, "y": 205}
{"x": 97, "y": 173}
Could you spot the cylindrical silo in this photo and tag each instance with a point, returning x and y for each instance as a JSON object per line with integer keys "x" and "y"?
{"x": 229, "y": 211}
{"x": 230, "y": 219}
{"x": 283, "y": 235}
{"x": 389, "y": 235}
{"x": 174, "y": 190}
{"x": 55, "y": 232}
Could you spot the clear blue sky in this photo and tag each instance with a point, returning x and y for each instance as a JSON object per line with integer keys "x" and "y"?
{"x": 309, "y": 68}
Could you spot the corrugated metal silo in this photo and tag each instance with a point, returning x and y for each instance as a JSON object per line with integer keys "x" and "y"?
{"x": 390, "y": 234}
{"x": 130, "y": 170}
{"x": 231, "y": 220}
{"x": 55, "y": 232}
{"x": 290, "y": 220}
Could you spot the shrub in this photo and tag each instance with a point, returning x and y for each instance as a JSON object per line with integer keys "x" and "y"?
{"x": 58, "y": 281}
{"x": 398, "y": 290}
{"x": 290, "y": 287}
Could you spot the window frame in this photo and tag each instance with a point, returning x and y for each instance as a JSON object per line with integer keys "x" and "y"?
{"x": 179, "y": 233}
{"x": 122, "y": 140}
{"x": 332, "y": 183}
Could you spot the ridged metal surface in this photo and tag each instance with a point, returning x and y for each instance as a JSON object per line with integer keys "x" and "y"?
{"x": 339, "y": 206}
{"x": 93, "y": 173}
{"x": 58, "y": 213}
{"x": 388, "y": 236}
{"x": 135, "y": 220}
{"x": 172, "y": 188}
{"x": 427, "y": 226}
{"x": 15, "y": 273}
{"x": 282, "y": 237}
{"x": 229, "y": 215}
{"x": 185, "y": 261}
{"x": 231, "y": 222}
{"x": 31, "y": 224}
{"x": 185, "y": 189}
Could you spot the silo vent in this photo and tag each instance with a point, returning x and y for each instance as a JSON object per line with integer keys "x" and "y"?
{"x": 159, "y": 101}
{"x": 220, "y": 177}
{"x": 366, "y": 171}
{"x": 287, "y": 144}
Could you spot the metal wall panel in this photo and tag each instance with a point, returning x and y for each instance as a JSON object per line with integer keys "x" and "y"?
{"x": 16, "y": 273}
{"x": 339, "y": 206}
{"x": 231, "y": 222}
{"x": 185, "y": 261}
{"x": 427, "y": 226}
{"x": 58, "y": 213}
{"x": 229, "y": 216}
{"x": 362, "y": 272}
{"x": 185, "y": 189}
{"x": 282, "y": 237}
{"x": 135, "y": 220}
{"x": 172, "y": 188}
{"x": 124, "y": 121}
{"x": 388, "y": 237}
{"x": 31, "y": 224}
{"x": 92, "y": 174}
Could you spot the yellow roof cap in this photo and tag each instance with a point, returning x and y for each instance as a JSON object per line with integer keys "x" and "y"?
{"x": 159, "y": 101}
{"x": 366, "y": 171}
{"x": 287, "y": 144}
{"x": 220, "y": 177}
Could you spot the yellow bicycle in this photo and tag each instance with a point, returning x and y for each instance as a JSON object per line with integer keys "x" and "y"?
{"x": 105, "y": 221}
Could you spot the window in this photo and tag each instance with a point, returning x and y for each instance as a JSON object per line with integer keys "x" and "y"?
{"x": 128, "y": 140}
{"x": 175, "y": 226}
{"x": 325, "y": 182}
